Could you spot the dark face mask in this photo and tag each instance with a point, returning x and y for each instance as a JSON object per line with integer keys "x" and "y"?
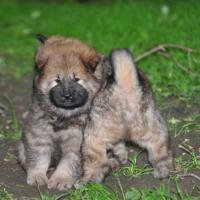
{"x": 68, "y": 95}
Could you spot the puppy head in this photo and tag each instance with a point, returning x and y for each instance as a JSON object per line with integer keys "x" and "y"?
{"x": 68, "y": 72}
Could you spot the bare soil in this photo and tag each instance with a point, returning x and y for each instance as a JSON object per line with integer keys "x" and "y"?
{"x": 15, "y": 97}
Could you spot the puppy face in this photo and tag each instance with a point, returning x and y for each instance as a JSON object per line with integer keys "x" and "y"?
{"x": 69, "y": 73}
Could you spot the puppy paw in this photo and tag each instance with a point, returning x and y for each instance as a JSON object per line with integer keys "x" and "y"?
{"x": 60, "y": 182}
{"x": 161, "y": 173}
{"x": 124, "y": 159}
{"x": 112, "y": 164}
{"x": 35, "y": 177}
{"x": 163, "y": 169}
{"x": 79, "y": 184}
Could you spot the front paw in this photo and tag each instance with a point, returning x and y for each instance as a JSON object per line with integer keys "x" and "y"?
{"x": 36, "y": 177}
{"x": 60, "y": 182}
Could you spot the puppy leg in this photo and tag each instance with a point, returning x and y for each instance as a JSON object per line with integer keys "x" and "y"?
{"x": 96, "y": 163}
{"x": 121, "y": 152}
{"x": 69, "y": 167}
{"x": 159, "y": 154}
{"x": 160, "y": 157}
{"x": 38, "y": 159}
{"x": 21, "y": 154}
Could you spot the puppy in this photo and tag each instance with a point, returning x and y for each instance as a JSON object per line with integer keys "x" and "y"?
{"x": 122, "y": 111}
{"x": 68, "y": 74}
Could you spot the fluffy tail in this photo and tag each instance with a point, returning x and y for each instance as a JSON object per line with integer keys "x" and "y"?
{"x": 124, "y": 68}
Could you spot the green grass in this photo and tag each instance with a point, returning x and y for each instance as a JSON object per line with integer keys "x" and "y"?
{"x": 14, "y": 129}
{"x": 99, "y": 192}
{"x": 4, "y": 195}
{"x": 189, "y": 159}
{"x": 134, "y": 170}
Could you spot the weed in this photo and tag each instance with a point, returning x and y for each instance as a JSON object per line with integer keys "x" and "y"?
{"x": 134, "y": 170}
{"x": 189, "y": 159}
{"x": 4, "y": 195}
{"x": 14, "y": 128}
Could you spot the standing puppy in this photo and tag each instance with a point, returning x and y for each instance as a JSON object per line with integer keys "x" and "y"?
{"x": 67, "y": 77}
{"x": 124, "y": 111}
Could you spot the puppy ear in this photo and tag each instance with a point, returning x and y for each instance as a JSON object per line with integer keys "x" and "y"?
{"x": 40, "y": 59}
{"x": 103, "y": 70}
{"x": 90, "y": 58}
{"x": 41, "y": 38}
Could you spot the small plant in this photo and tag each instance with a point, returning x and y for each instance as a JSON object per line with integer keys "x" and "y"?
{"x": 91, "y": 191}
{"x": 193, "y": 162}
{"x": 14, "y": 129}
{"x": 134, "y": 169}
{"x": 4, "y": 195}
{"x": 188, "y": 125}
{"x": 161, "y": 193}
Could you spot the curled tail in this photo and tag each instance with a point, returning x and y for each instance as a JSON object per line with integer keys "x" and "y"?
{"x": 124, "y": 68}
{"x": 126, "y": 75}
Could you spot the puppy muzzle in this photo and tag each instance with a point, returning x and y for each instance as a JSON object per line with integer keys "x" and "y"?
{"x": 68, "y": 95}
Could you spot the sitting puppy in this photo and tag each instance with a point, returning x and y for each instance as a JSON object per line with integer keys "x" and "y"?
{"x": 67, "y": 77}
{"x": 122, "y": 111}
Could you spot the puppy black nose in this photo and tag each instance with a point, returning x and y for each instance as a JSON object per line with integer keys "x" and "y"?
{"x": 67, "y": 96}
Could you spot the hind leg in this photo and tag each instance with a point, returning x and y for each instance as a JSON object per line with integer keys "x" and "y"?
{"x": 95, "y": 162}
{"x": 158, "y": 152}
{"x": 160, "y": 157}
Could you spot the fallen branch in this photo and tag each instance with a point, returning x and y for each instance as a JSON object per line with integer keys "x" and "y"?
{"x": 188, "y": 175}
{"x": 167, "y": 55}
{"x": 163, "y": 48}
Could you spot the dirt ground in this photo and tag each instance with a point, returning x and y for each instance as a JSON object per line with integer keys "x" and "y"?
{"x": 15, "y": 97}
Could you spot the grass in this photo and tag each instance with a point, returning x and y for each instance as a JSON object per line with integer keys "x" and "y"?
{"x": 86, "y": 192}
{"x": 98, "y": 192}
{"x": 137, "y": 25}
{"x": 189, "y": 159}
{"x": 13, "y": 131}
{"x": 185, "y": 125}
{"x": 4, "y": 195}
{"x": 134, "y": 170}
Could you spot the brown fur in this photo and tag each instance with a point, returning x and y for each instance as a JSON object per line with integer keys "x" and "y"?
{"x": 124, "y": 111}
{"x": 50, "y": 128}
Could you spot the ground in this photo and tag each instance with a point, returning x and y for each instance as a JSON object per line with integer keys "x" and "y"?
{"x": 174, "y": 73}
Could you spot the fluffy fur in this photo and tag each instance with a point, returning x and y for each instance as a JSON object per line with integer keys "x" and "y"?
{"x": 124, "y": 111}
{"x": 68, "y": 74}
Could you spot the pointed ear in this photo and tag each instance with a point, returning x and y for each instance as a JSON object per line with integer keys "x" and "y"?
{"x": 41, "y": 38}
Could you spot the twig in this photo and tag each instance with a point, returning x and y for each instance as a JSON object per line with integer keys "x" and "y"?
{"x": 188, "y": 175}
{"x": 163, "y": 48}
{"x": 183, "y": 68}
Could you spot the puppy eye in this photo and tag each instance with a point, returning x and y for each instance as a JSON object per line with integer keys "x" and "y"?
{"x": 76, "y": 78}
{"x": 58, "y": 80}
